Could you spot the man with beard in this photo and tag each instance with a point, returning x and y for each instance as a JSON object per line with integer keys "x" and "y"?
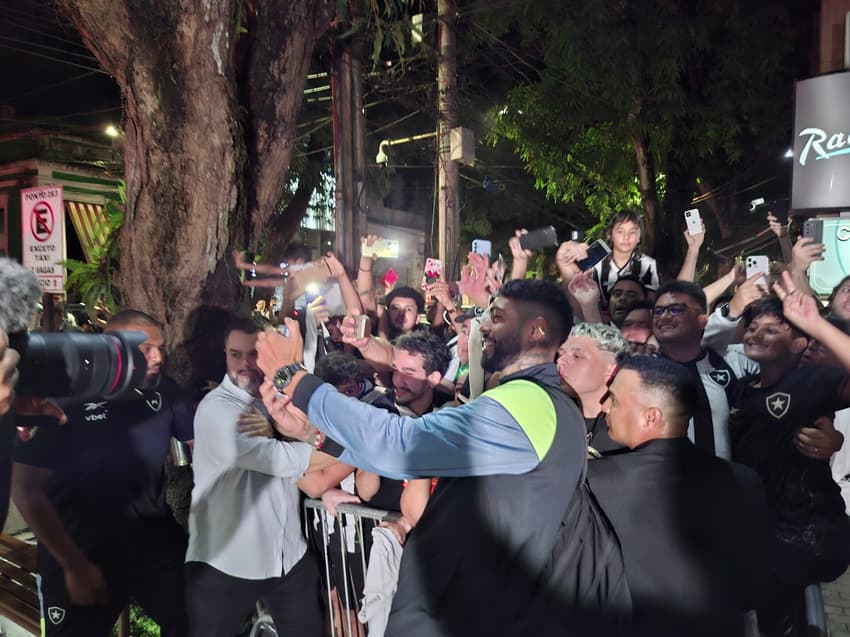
{"x": 244, "y": 525}
{"x": 510, "y": 543}
{"x": 93, "y": 492}
{"x": 627, "y": 290}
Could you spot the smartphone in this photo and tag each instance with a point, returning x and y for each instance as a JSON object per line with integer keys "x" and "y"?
{"x": 540, "y": 238}
{"x": 482, "y": 246}
{"x": 360, "y": 323}
{"x": 596, "y": 251}
{"x": 758, "y": 263}
{"x": 433, "y": 272}
{"x": 382, "y": 248}
{"x": 693, "y": 221}
{"x": 779, "y": 209}
{"x": 813, "y": 228}
{"x": 390, "y": 277}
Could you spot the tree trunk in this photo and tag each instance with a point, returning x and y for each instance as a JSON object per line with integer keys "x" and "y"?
{"x": 202, "y": 172}
{"x": 648, "y": 192}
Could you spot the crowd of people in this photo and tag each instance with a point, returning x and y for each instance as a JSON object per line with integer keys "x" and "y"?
{"x": 608, "y": 453}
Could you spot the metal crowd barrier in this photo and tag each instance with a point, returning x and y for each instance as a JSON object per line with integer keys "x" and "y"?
{"x": 359, "y": 513}
{"x": 815, "y": 615}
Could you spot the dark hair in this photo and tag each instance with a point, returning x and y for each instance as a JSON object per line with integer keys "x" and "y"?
{"x": 674, "y": 380}
{"x": 674, "y": 286}
{"x": 771, "y": 306}
{"x": 646, "y": 304}
{"x": 625, "y": 215}
{"x": 241, "y": 324}
{"x": 131, "y": 317}
{"x": 550, "y": 298}
{"x": 840, "y": 323}
{"x": 633, "y": 279}
{"x": 435, "y": 353}
{"x": 405, "y": 292}
{"x": 297, "y": 250}
{"x": 338, "y": 368}
{"x": 835, "y": 291}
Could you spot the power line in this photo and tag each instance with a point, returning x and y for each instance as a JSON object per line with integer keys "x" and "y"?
{"x": 48, "y": 87}
{"x": 40, "y": 31}
{"x": 47, "y": 47}
{"x": 53, "y": 59}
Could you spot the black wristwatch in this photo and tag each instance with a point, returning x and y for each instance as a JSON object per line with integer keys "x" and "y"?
{"x": 724, "y": 312}
{"x": 283, "y": 376}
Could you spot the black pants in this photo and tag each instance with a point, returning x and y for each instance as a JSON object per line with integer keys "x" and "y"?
{"x": 149, "y": 573}
{"x": 218, "y": 603}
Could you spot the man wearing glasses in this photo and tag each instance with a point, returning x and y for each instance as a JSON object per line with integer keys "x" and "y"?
{"x": 679, "y": 319}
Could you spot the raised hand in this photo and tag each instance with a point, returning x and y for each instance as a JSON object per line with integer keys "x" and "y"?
{"x": 800, "y": 309}
{"x": 473, "y": 279}
{"x": 568, "y": 253}
{"x": 517, "y": 252}
{"x": 750, "y": 291}
{"x": 334, "y": 266}
{"x": 348, "y": 327}
{"x": 441, "y": 291}
{"x": 776, "y": 227}
{"x": 584, "y": 289}
{"x": 274, "y": 350}
{"x": 369, "y": 240}
{"x": 695, "y": 241}
{"x": 804, "y": 253}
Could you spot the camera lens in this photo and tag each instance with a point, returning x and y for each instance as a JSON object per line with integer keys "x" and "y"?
{"x": 81, "y": 365}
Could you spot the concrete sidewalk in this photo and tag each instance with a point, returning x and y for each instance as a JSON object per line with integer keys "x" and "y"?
{"x": 836, "y": 601}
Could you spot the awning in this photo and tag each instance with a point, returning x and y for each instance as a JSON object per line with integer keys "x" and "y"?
{"x": 90, "y": 223}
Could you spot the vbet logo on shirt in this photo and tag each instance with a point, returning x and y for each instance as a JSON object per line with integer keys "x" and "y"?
{"x": 95, "y": 411}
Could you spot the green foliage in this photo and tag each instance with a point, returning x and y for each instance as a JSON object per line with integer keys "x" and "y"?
{"x": 92, "y": 281}
{"x": 691, "y": 79}
{"x": 140, "y": 624}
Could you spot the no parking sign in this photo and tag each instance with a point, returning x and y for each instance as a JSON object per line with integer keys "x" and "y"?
{"x": 43, "y": 235}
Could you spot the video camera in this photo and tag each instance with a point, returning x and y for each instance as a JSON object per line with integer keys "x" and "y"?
{"x": 66, "y": 364}
{"x": 78, "y": 365}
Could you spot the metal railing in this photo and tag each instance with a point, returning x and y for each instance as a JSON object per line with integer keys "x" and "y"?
{"x": 358, "y": 513}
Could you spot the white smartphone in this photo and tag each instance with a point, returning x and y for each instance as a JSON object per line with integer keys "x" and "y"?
{"x": 482, "y": 246}
{"x": 758, "y": 263}
{"x": 383, "y": 249}
{"x": 693, "y": 221}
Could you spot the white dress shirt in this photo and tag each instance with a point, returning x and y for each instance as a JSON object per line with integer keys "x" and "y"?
{"x": 244, "y": 519}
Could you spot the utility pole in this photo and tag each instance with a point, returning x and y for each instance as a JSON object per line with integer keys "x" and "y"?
{"x": 448, "y": 214}
{"x": 349, "y": 153}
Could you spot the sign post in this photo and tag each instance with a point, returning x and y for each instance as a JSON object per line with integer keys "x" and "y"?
{"x": 43, "y": 236}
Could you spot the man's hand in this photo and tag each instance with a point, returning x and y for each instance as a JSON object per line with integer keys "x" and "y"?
{"x": 517, "y": 252}
{"x": 473, "y": 279}
{"x": 274, "y": 350}
{"x": 695, "y": 241}
{"x": 747, "y": 293}
{"x": 8, "y": 373}
{"x": 348, "y": 328}
{"x": 370, "y": 241}
{"x": 332, "y": 497}
{"x": 86, "y": 584}
{"x": 400, "y": 528}
{"x": 584, "y": 289}
{"x": 799, "y": 308}
{"x": 441, "y": 291}
{"x": 804, "y": 252}
{"x": 288, "y": 420}
{"x": 777, "y": 228}
{"x": 568, "y": 253}
{"x": 819, "y": 441}
{"x": 334, "y": 266}
{"x": 253, "y": 424}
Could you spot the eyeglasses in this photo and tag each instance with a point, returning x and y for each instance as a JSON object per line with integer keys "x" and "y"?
{"x": 675, "y": 309}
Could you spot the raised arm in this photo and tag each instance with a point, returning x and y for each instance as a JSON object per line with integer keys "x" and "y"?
{"x": 689, "y": 265}
{"x": 349, "y": 295}
{"x": 365, "y": 279}
{"x": 520, "y": 257}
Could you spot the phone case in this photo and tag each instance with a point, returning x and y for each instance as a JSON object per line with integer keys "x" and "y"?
{"x": 596, "y": 251}
{"x": 383, "y": 249}
{"x": 361, "y": 321}
{"x": 693, "y": 221}
{"x": 433, "y": 271}
{"x": 757, "y": 263}
{"x": 813, "y": 228}
{"x": 540, "y": 238}
{"x": 482, "y": 246}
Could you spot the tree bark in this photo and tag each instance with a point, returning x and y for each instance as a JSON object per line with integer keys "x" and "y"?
{"x": 203, "y": 173}
{"x": 648, "y": 191}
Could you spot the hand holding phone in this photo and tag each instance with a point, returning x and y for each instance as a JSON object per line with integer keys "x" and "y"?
{"x": 482, "y": 246}
{"x": 433, "y": 272}
{"x": 596, "y": 251}
{"x": 813, "y": 228}
{"x": 540, "y": 238}
{"x": 381, "y": 248}
{"x": 758, "y": 264}
{"x": 693, "y": 221}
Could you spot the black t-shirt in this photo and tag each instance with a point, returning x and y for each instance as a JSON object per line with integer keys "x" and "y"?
{"x": 598, "y": 437}
{"x": 802, "y": 496}
{"x": 108, "y": 460}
